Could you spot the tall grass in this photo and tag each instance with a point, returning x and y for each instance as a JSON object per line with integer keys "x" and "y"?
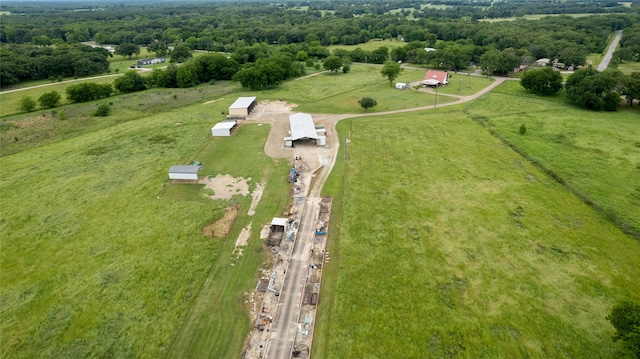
{"x": 97, "y": 263}
{"x": 452, "y": 245}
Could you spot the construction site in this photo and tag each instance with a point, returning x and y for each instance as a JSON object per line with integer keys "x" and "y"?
{"x": 285, "y": 299}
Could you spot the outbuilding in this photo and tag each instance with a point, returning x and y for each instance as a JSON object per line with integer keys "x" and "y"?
{"x": 223, "y": 129}
{"x": 242, "y": 107}
{"x": 302, "y": 127}
{"x": 184, "y": 172}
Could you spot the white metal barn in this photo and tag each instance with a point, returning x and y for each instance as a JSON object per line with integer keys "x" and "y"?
{"x": 223, "y": 129}
{"x": 302, "y": 127}
{"x": 184, "y": 172}
{"x": 242, "y": 106}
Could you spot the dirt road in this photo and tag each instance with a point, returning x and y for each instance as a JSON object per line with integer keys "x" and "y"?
{"x": 320, "y": 161}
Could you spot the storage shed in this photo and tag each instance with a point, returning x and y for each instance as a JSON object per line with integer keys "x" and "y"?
{"x": 242, "y": 107}
{"x": 184, "y": 172}
{"x": 301, "y": 127}
{"x": 223, "y": 129}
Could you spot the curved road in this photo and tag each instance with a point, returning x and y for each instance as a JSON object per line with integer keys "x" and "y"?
{"x": 612, "y": 47}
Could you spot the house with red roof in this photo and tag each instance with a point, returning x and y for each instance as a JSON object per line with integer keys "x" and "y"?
{"x": 435, "y": 78}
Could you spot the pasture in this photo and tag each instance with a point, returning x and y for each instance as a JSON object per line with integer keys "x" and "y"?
{"x": 370, "y": 45}
{"x": 449, "y": 244}
{"x": 29, "y": 130}
{"x": 322, "y": 95}
{"x": 628, "y": 67}
{"x": 98, "y": 262}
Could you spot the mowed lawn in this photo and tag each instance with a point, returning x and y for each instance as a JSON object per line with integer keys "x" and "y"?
{"x": 339, "y": 93}
{"x": 97, "y": 261}
{"x": 448, "y": 244}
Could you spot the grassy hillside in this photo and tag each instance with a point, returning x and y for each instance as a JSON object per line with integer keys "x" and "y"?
{"x": 596, "y": 154}
{"x": 96, "y": 262}
{"x": 449, "y": 244}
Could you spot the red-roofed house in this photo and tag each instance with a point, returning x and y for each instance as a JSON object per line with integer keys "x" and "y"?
{"x": 435, "y": 78}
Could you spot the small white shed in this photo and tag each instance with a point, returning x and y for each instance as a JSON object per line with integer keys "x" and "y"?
{"x": 401, "y": 85}
{"x": 184, "y": 172}
{"x": 223, "y": 129}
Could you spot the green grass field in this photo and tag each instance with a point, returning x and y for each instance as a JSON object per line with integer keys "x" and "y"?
{"x": 321, "y": 95}
{"x": 629, "y": 67}
{"x": 597, "y": 154}
{"x": 448, "y": 244}
{"x": 370, "y": 45}
{"x": 29, "y": 130}
{"x": 445, "y": 244}
{"x": 540, "y": 16}
{"x": 98, "y": 262}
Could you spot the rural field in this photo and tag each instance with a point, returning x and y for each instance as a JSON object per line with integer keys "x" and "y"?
{"x": 450, "y": 244}
{"x": 102, "y": 257}
{"x": 447, "y": 243}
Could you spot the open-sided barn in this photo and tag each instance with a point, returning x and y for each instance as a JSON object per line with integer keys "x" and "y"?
{"x": 242, "y": 106}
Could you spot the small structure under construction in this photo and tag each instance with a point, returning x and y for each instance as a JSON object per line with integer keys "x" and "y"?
{"x": 277, "y": 230}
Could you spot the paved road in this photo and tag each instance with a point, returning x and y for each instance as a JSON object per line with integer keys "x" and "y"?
{"x": 607, "y": 57}
{"x": 284, "y": 327}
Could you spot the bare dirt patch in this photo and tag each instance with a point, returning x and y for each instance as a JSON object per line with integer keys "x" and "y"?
{"x": 212, "y": 101}
{"x": 243, "y": 237}
{"x": 256, "y": 195}
{"x": 226, "y": 186}
{"x": 221, "y": 227}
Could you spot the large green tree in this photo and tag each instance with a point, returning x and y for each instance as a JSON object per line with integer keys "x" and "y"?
{"x": 159, "y": 47}
{"x": 367, "y": 103}
{"x": 49, "y": 99}
{"x": 332, "y": 63}
{"x": 127, "y": 49}
{"x": 499, "y": 62}
{"x": 88, "y": 91}
{"x": 181, "y": 53}
{"x": 625, "y": 318}
{"x": 631, "y": 87}
{"x": 594, "y": 90}
{"x": 544, "y": 81}
{"x": 391, "y": 70}
{"x": 131, "y": 81}
{"x": 215, "y": 67}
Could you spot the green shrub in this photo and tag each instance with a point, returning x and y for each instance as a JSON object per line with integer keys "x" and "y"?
{"x": 102, "y": 110}
{"x": 27, "y": 104}
{"x": 523, "y": 129}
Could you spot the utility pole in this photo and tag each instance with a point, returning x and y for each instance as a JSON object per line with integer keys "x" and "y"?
{"x": 469, "y": 76}
{"x": 460, "y": 87}
{"x": 435, "y": 101}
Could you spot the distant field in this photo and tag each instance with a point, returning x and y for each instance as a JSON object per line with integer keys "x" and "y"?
{"x": 540, "y": 16}
{"x": 447, "y": 243}
{"x": 629, "y": 67}
{"x": 371, "y": 45}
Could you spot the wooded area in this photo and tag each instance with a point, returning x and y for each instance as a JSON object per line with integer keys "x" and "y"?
{"x": 270, "y": 43}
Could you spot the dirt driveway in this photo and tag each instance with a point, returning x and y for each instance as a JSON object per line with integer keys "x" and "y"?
{"x": 322, "y": 159}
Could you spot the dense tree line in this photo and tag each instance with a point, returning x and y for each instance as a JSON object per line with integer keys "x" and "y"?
{"x": 256, "y": 32}
{"x": 28, "y": 62}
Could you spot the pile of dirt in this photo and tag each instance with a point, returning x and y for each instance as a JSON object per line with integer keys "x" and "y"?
{"x": 221, "y": 227}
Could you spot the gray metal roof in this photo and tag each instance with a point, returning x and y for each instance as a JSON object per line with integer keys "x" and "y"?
{"x": 302, "y": 126}
{"x": 184, "y": 169}
{"x": 243, "y": 102}
{"x": 224, "y": 125}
